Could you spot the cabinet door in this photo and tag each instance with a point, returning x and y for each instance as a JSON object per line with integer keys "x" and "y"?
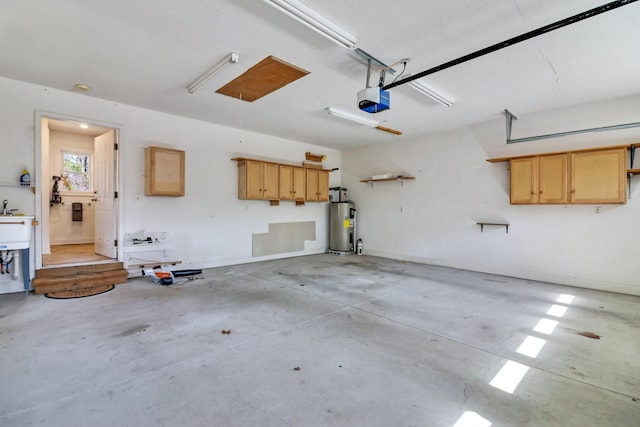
{"x": 286, "y": 183}
{"x": 298, "y": 184}
{"x": 312, "y": 185}
{"x": 270, "y": 181}
{"x": 164, "y": 172}
{"x": 554, "y": 178}
{"x": 524, "y": 181}
{"x": 599, "y": 176}
{"x": 253, "y": 178}
{"x": 323, "y": 186}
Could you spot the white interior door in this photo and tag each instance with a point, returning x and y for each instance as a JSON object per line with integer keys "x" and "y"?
{"x": 104, "y": 181}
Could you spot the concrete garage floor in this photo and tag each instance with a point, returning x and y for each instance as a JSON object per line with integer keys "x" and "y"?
{"x": 323, "y": 340}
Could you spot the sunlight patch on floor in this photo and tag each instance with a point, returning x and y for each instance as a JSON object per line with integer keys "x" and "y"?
{"x": 531, "y": 346}
{"x": 546, "y": 326}
{"x": 509, "y": 377}
{"x": 471, "y": 419}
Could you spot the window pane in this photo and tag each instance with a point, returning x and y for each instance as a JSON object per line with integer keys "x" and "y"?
{"x": 75, "y": 172}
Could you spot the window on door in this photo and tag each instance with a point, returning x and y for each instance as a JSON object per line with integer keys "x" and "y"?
{"x": 76, "y": 172}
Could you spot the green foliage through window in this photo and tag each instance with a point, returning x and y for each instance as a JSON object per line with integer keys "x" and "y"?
{"x": 75, "y": 172}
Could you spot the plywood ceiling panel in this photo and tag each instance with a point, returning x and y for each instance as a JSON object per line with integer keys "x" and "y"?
{"x": 266, "y": 76}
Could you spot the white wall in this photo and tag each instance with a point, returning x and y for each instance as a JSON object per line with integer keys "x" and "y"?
{"x": 433, "y": 219}
{"x": 210, "y": 226}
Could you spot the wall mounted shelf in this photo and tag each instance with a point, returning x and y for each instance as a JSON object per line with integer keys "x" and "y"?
{"x": 18, "y": 185}
{"x": 399, "y": 178}
{"x": 148, "y": 250}
{"x": 500, "y": 224}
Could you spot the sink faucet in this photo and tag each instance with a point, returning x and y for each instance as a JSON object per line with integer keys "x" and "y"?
{"x": 4, "y": 207}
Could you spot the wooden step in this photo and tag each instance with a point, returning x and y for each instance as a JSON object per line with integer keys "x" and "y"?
{"x": 78, "y": 269}
{"x": 74, "y": 281}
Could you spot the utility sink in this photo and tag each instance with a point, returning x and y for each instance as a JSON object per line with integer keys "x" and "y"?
{"x": 15, "y": 231}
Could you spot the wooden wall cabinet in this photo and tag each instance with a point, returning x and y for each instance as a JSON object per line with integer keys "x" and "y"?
{"x": 292, "y": 183}
{"x": 540, "y": 179}
{"x": 257, "y": 180}
{"x": 164, "y": 172}
{"x": 599, "y": 176}
{"x": 524, "y": 180}
{"x": 554, "y": 179}
{"x": 265, "y": 180}
{"x": 317, "y": 183}
{"x": 595, "y": 176}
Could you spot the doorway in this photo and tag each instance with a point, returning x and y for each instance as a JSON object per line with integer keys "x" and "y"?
{"x": 77, "y": 193}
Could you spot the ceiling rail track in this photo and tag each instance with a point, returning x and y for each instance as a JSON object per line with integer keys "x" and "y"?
{"x": 510, "y": 117}
{"x": 514, "y": 40}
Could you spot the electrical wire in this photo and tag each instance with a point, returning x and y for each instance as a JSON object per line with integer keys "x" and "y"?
{"x": 182, "y": 282}
{"x": 404, "y": 68}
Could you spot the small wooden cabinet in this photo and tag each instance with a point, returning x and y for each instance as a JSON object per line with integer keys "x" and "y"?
{"x": 164, "y": 172}
{"x": 292, "y": 183}
{"x": 595, "y": 176}
{"x": 317, "y": 185}
{"x": 257, "y": 180}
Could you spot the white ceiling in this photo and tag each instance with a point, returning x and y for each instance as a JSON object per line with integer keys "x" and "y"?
{"x": 146, "y": 52}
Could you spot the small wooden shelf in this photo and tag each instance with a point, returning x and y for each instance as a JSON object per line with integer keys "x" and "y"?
{"x": 401, "y": 179}
{"x": 633, "y": 171}
{"x": 501, "y": 224}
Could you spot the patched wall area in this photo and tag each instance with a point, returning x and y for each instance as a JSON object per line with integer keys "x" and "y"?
{"x": 283, "y": 237}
